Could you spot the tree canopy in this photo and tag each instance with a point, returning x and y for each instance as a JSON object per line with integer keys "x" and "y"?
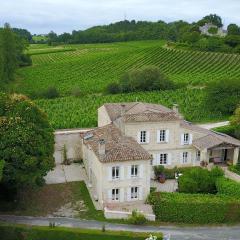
{"x": 26, "y": 142}
{"x": 223, "y": 96}
{"x": 235, "y": 122}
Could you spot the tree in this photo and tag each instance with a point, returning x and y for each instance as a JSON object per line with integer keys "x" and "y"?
{"x": 233, "y": 29}
{"x": 1, "y": 169}
{"x": 223, "y": 96}
{"x": 26, "y": 142}
{"x": 52, "y": 38}
{"x": 232, "y": 40}
{"x": 9, "y": 54}
{"x": 214, "y": 19}
{"x": 235, "y": 122}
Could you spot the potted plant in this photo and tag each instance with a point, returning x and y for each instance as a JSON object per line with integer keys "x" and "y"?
{"x": 162, "y": 178}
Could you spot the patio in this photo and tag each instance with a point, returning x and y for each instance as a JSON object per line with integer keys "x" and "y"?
{"x": 169, "y": 186}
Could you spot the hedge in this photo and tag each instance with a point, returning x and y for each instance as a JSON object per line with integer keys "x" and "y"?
{"x": 228, "y": 187}
{"x": 14, "y": 232}
{"x": 195, "y": 208}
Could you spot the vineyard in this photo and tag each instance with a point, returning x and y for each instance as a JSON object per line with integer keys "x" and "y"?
{"x": 72, "y": 112}
{"x": 89, "y": 68}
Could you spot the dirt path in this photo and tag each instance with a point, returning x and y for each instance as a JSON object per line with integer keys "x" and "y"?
{"x": 214, "y": 125}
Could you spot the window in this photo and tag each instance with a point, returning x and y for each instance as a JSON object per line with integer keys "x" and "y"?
{"x": 186, "y": 138}
{"x": 143, "y": 136}
{"x": 162, "y": 136}
{"x": 198, "y": 155}
{"x": 185, "y": 157}
{"x": 134, "y": 192}
{"x": 134, "y": 171}
{"x": 115, "y": 173}
{"x": 163, "y": 158}
{"x": 115, "y": 194}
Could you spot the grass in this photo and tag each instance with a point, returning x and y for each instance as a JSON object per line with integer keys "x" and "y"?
{"x": 50, "y": 198}
{"x": 14, "y": 231}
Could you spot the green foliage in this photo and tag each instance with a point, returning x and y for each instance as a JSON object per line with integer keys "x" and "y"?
{"x": 158, "y": 170}
{"x": 233, "y": 29}
{"x": 26, "y": 142}
{"x": 137, "y": 218}
{"x": 10, "y": 231}
{"x": 229, "y": 130}
{"x": 228, "y": 187}
{"x": 235, "y": 123}
{"x": 198, "y": 180}
{"x": 235, "y": 168}
{"x": 195, "y": 208}
{"x": 232, "y": 40}
{"x": 214, "y": 19}
{"x": 213, "y": 30}
{"x": 223, "y": 96}
{"x": 1, "y": 168}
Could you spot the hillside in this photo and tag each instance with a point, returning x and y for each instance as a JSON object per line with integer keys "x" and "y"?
{"x": 90, "y": 68}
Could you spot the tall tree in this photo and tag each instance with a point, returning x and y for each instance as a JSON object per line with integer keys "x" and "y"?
{"x": 233, "y": 29}
{"x": 26, "y": 142}
{"x": 8, "y": 53}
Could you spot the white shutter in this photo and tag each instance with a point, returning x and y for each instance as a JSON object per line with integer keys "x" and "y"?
{"x": 189, "y": 157}
{"x": 169, "y": 159}
{"x": 109, "y": 195}
{"x": 140, "y": 193}
{"x": 139, "y": 137}
{"x": 129, "y": 172}
{"x": 158, "y": 136}
{"x": 182, "y": 139}
{"x": 154, "y": 159}
{"x": 190, "y": 138}
{"x": 147, "y": 136}
{"x": 109, "y": 173}
{"x": 121, "y": 172}
{"x": 181, "y": 157}
{"x": 129, "y": 194}
{"x": 167, "y": 135}
{"x": 141, "y": 171}
{"x": 121, "y": 194}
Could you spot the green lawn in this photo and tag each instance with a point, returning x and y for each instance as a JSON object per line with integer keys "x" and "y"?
{"x": 18, "y": 232}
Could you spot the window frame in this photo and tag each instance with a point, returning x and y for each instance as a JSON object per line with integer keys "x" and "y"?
{"x": 186, "y": 138}
{"x": 115, "y": 194}
{"x": 134, "y": 171}
{"x": 143, "y": 136}
{"x": 134, "y": 193}
{"x": 162, "y": 136}
{"x": 185, "y": 157}
{"x": 163, "y": 157}
{"x": 115, "y": 173}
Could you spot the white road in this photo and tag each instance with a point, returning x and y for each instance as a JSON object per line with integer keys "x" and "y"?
{"x": 213, "y": 125}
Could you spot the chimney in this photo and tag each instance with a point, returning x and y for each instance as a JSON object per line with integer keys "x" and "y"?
{"x": 101, "y": 147}
{"x": 176, "y": 108}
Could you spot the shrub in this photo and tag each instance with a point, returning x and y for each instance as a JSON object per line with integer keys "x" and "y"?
{"x": 235, "y": 168}
{"x": 195, "y": 208}
{"x": 158, "y": 170}
{"x": 113, "y": 88}
{"x": 137, "y": 218}
{"x": 50, "y": 93}
{"x": 199, "y": 180}
{"x": 228, "y": 187}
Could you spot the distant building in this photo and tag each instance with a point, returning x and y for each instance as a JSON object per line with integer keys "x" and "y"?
{"x": 205, "y": 30}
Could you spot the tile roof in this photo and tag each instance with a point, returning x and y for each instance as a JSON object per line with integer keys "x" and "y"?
{"x": 117, "y": 146}
{"x": 211, "y": 138}
{"x": 138, "y": 111}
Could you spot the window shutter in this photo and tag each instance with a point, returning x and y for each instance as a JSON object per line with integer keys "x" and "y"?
{"x": 190, "y": 138}
{"x": 121, "y": 194}
{"x": 129, "y": 172}
{"x": 109, "y": 195}
{"x": 129, "y": 194}
{"x": 138, "y": 137}
{"x": 189, "y": 157}
{"x": 141, "y": 171}
{"x": 109, "y": 173}
{"x": 182, "y": 139}
{"x": 140, "y": 193}
{"x": 169, "y": 159}
{"x": 121, "y": 172}
{"x": 158, "y": 136}
{"x": 167, "y": 135}
{"x": 154, "y": 159}
{"x": 181, "y": 157}
{"x": 147, "y": 136}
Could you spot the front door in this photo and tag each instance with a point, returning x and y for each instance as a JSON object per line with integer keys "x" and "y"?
{"x": 224, "y": 155}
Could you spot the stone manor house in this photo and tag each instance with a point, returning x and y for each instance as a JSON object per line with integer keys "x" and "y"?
{"x": 131, "y": 138}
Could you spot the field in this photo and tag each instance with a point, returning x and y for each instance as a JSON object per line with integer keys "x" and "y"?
{"x": 89, "y": 68}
